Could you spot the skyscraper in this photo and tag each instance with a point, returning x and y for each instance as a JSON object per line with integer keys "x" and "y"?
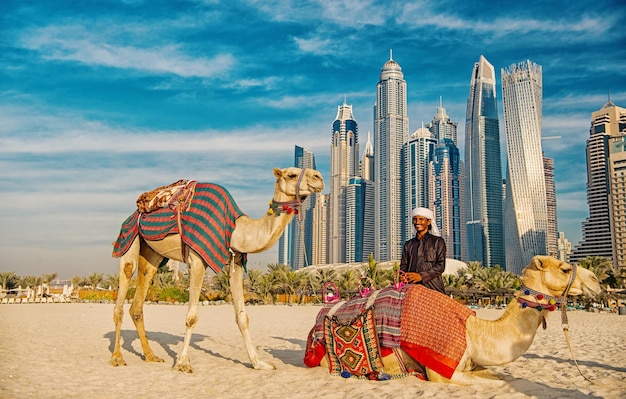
{"x": 483, "y": 174}
{"x": 391, "y": 128}
{"x": 597, "y": 229}
{"x": 617, "y": 206}
{"x": 298, "y": 236}
{"x": 344, "y": 164}
{"x": 369, "y": 213}
{"x": 525, "y": 209}
{"x": 418, "y": 155}
{"x": 447, "y": 180}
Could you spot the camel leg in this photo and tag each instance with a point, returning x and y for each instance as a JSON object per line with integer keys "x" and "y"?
{"x": 148, "y": 266}
{"x": 241, "y": 317}
{"x": 128, "y": 265}
{"x": 196, "y": 276}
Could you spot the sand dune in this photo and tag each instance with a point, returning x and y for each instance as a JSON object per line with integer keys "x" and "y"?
{"x": 63, "y": 351}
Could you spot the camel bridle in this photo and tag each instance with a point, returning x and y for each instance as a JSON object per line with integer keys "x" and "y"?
{"x": 277, "y": 207}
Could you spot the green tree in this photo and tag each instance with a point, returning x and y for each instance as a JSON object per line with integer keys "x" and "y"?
{"x": 348, "y": 282}
{"x": 94, "y": 279}
{"x": 8, "y": 280}
{"x": 252, "y": 283}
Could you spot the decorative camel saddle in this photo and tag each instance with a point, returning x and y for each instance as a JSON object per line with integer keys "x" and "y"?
{"x": 204, "y": 215}
{"x": 355, "y": 335}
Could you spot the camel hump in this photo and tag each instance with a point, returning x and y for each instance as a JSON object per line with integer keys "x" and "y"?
{"x": 160, "y": 197}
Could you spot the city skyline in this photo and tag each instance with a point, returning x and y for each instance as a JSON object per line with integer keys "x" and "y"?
{"x": 102, "y": 102}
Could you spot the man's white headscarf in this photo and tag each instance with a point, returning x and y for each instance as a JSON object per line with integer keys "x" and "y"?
{"x": 428, "y": 214}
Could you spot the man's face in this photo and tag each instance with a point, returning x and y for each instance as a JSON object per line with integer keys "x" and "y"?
{"x": 421, "y": 223}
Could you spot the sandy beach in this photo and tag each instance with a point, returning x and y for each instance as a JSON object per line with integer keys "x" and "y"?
{"x": 63, "y": 351}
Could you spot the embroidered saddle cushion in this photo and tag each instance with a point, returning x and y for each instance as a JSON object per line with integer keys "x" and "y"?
{"x": 354, "y": 346}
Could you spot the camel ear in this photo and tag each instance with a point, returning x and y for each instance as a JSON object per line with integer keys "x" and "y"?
{"x": 537, "y": 262}
{"x": 278, "y": 173}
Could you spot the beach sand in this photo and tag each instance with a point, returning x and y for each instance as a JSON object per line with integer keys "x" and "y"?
{"x": 63, "y": 351}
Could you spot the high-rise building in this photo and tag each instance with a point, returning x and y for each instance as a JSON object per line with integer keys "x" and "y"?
{"x": 354, "y": 200}
{"x": 369, "y": 213}
{"x": 553, "y": 232}
{"x": 597, "y": 229}
{"x": 418, "y": 155}
{"x": 484, "y": 238}
{"x": 344, "y": 165}
{"x": 526, "y": 210}
{"x": 391, "y": 128}
{"x": 320, "y": 216}
{"x": 617, "y": 205}
{"x": 447, "y": 180}
{"x": 297, "y": 239}
{"x": 447, "y": 192}
{"x": 367, "y": 160}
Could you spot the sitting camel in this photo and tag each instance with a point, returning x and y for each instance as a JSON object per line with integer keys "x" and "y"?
{"x": 458, "y": 359}
{"x": 292, "y": 187}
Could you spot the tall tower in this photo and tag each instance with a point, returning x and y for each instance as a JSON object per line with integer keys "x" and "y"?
{"x": 526, "y": 208}
{"x": 552, "y": 240}
{"x": 483, "y": 173}
{"x": 617, "y": 206}
{"x": 418, "y": 156}
{"x": 597, "y": 237}
{"x": 301, "y": 228}
{"x": 320, "y": 214}
{"x": 344, "y": 164}
{"x": 369, "y": 213}
{"x": 447, "y": 180}
{"x": 391, "y": 128}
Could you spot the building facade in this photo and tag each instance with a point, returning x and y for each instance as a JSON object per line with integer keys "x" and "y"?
{"x": 344, "y": 165}
{"x": 484, "y": 237}
{"x": 295, "y": 246}
{"x": 447, "y": 181}
{"x": 597, "y": 229}
{"x": 526, "y": 209}
{"x": 391, "y": 127}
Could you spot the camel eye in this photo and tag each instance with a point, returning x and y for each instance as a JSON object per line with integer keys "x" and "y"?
{"x": 566, "y": 270}
{"x": 292, "y": 175}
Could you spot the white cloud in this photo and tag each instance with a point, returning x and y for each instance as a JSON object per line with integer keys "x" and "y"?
{"x": 91, "y": 47}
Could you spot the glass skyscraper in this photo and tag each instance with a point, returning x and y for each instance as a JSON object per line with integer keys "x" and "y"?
{"x": 599, "y": 235}
{"x": 391, "y": 128}
{"x": 344, "y": 165}
{"x": 483, "y": 173}
{"x": 295, "y": 246}
{"x": 447, "y": 180}
{"x": 525, "y": 209}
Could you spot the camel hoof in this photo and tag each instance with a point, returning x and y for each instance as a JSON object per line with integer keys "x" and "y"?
{"x": 183, "y": 365}
{"x": 154, "y": 358}
{"x": 261, "y": 365}
{"x": 117, "y": 360}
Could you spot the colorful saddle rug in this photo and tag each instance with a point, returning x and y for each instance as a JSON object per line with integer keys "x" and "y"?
{"x": 353, "y": 346}
{"x": 426, "y": 324}
{"x": 204, "y": 214}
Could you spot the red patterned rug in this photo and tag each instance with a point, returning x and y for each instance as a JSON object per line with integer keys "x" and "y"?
{"x": 353, "y": 346}
{"x": 433, "y": 329}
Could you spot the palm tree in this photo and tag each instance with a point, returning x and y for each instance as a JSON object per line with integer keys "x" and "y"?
{"x": 8, "y": 280}
{"x": 600, "y": 266}
{"x": 221, "y": 283}
{"x": 348, "y": 281}
{"x": 252, "y": 282}
{"x": 112, "y": 280}
{"x": 94, "y": 279}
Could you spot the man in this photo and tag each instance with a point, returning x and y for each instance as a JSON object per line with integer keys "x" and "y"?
{"x": 424, "y": 256}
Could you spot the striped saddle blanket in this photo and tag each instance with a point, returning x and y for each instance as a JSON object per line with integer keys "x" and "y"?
{"x": 204, "y": 214}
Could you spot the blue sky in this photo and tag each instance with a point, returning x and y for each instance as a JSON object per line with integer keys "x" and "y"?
{"x": 102, "y": 100}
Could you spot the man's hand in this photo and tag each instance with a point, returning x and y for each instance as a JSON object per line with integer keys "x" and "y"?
{"x": 412, "y": 277}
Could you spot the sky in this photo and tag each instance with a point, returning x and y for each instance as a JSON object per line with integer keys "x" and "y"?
{"x": 103, "y": 100}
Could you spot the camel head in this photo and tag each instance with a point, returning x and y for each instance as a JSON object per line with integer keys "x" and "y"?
{"x": 551, "y": 276}
{"x": 295, "y": 183}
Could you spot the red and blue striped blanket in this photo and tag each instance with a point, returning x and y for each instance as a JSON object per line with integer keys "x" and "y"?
{"x": 207, "y": 221}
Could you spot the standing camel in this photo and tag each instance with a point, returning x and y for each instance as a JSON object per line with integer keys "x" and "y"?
{"x": 248, "y": 235}
{"x": 462, "y": 344}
